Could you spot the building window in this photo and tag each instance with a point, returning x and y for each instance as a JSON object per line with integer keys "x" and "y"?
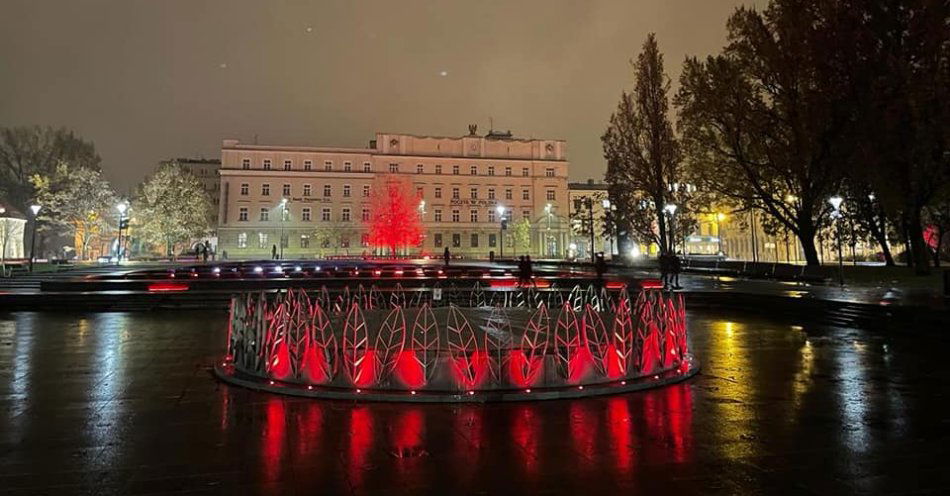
{"x": 507, "y": 171}
{"x": 245, "y": 164}
{"x": 473, "y": 193}
{"x": 525, "y": 194}
{"x": 491, "y": 215}
{"x": 325, "y": 215}
{"x": 419, "y": 168}
{"x": 346, "y": 191}
{"x": 393, "y": 167}
{"x": 347, "y": 166}
{"x": 365, "y": 190}
{"x": 455, "y": 216}
{"x": 308, "y": 165}
{"x": 438, "y": 168}
{"x": 266, "y": 164}
{"x": 438, "y": 192}
{"x": 365, "y": 216}
{"x": 492, "y": 240}
{"x": 526, "y": 214}
{"x": 456, "y": 240}
{"x": 242, "y": 240}
{"x": 507, "y": 193}
{"x": 455, "y": 193}
{"x": 265, "y": 189}
{"x": 304, "y": 241}
{"x": 242, "y": 214}
{"x": 473, "y": 170}
{"x": 265, "y": 215}
{"x": 473, "y": 216}
{"x": 364, "y": 240}
{"x": 524, "y": 171}
{"x": 549, "y": 172}
{"x": 474, "y": 240}
{"x": 438, "y": 215}
{"x": 550, "y": 194}
{"x": 491, "y": 170}
{"x": 437, "y": 240}
{"x": 419, "y": 192}
{"x": 367, "y": 167}
{"x": 327, "y": 190}
{"x": 345, "y": 214}
{"x": 306, "y": 190}
{"x": 244, "y": 189}
{"x": 344, "y": 241}
{"x": 455, "y": 170}
{"x": 305, "y": 214}
{"x": 261, "y": 240}
{"x": 286, "y": 191}
{"x": 491, "y": 193}
{"x": 287, "y": 165}
{"x": 285, "y": 214}
{"x": 327, "y": 165}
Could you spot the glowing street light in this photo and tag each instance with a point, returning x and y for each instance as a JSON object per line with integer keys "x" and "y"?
{"x": 670, "y": 209}
{"x": 36, "y": 210}
{"x": 719, "y": 218}
{"x": 502, "y": 224}
{"x": 836, "y": 202}
{"x": 121, "y": 207}
{"x": 283, "y": 217}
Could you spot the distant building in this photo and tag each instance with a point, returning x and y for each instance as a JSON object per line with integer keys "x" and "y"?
{"x": 12, "y": 226}
{"x": 461, "y": 183}
{"x": 206, "y": 170}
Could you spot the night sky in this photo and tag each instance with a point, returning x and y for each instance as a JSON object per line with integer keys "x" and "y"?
{"x": 148, "y": 80}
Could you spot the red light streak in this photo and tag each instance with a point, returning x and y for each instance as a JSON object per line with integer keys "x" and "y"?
{"x": 162, "y": 287}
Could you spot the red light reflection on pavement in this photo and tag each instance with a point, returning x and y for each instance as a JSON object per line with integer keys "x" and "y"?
{"x": 360, "y": 436}
{"x": 583, "y": 426}
{"x": 620, "y": 433}
{"x": 525, "y": 429}
{"x": 275, "y": 428}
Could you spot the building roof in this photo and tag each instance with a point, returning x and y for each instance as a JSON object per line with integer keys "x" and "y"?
{"x": 590, "y": 185}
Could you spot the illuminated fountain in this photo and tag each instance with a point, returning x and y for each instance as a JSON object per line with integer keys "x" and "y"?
{"x": 474, "y": 345}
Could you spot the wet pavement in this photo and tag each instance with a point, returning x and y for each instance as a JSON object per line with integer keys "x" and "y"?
{"x": 123, "y": 403}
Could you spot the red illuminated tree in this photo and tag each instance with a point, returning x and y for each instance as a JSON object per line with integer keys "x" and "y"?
{"x": 394, "y": 216}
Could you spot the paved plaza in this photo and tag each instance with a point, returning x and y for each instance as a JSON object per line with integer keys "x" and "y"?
{"x": 124, "y": 403}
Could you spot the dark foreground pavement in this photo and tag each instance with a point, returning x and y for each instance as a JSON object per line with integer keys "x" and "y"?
{"x": 123, "y": 403}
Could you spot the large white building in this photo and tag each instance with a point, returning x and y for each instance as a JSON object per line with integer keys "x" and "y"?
{"x": 461, "y": 183}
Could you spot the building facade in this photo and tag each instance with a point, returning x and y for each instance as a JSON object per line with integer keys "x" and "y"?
{"x": 586, "y": 205}
{"x": 315, "y": 201}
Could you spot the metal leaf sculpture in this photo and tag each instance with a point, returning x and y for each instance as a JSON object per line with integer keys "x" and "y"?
{"x": 468, "y": 358}
{"x": 497, "y": 333}
{"x": 358, "y": 359}
{"x": 390, "y": 341}
{"x": 321, "y": 359}
{"x": 621, "y": 341}
{"x": 594, "y": 336}
{"x": 424, "y": 346}
{"x": 526, "y": 363}
{"x": 567, "y": 343}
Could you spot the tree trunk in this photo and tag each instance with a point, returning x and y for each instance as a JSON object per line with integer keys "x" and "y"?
{"x": 806, "y": 236}
{"x": 879, "y": 231}
{"x": 918, "y": 247}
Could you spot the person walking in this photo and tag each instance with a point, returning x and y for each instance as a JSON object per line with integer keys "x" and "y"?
{"x": 522, "y": 271}
{"x": 677, "y": 265}
{"x": 600, "y": 267}
{"x": 664, "y": 260}
{"x": 273, "y": 252}
{"x": 446, "y": 256}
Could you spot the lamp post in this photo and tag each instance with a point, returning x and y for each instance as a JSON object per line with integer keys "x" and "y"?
{"x": 590, "y": 225}
{"x": 670, "y": 209}
{"x": 36, "y": 210}
{"x": 719, "y": 218}
{"x": 836, "y": 202}
{"x": 121, "y": 207}
{"x": 283, "y": 216}
{"x": 610, "y": 229}
{"x": 547, "y": 236}
{"x": 501, "y": 230}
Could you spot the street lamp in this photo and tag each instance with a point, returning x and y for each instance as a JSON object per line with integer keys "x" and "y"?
{"x": 719, "y": 218}
{"x": 36, "y": 210}
{"x": 836, "y": 202}
{"x": 283, "y": 216}
{"x": 670, "y": 209}
{"x": 501, "y": 230}
{"x": 547, "y": 211}
{"x": 121, "y": 207}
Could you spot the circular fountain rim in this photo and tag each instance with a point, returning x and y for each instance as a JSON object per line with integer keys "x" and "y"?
{"x": 689, "y": 367}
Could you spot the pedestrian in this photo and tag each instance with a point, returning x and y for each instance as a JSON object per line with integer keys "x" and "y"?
{"x": 600, "y": 267}
{"x": 204, "y": 253}
{"x": 273, "y": 252}
{"x": 198, "y": 251}
{"x": 675, "y": 269}
{"x": 529, "y": 268}
{"x": 664, "y": 269}
{"x": 446, "y": 256}
{"x": 522, "y": 271}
